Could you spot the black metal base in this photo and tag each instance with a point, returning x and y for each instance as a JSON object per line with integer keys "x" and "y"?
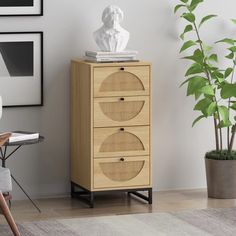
{"x": 87, "y": 196}
{"x": 83, "y": 194}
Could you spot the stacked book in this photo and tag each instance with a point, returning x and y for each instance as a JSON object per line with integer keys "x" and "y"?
{"x": 99, "y": 56}
{"x": 18, "y": 136}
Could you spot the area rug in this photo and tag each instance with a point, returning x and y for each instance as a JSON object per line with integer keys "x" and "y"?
{"x": 217, "y": 222}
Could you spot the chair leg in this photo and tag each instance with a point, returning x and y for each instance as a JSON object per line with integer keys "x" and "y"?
{"x": 6, "y": 212}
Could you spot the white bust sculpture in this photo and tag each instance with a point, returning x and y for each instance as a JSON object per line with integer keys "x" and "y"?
{"x": 111, "y": 37}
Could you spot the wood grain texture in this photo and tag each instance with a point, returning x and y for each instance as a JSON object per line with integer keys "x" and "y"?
{"x": 150, "y": 124}
{"x": 7, "y": 214}
{"x": 81, "y": 123}
{"x": 112, "y": 64}
{"x": 4, "y": 137}
{"x": 108, "y": 204}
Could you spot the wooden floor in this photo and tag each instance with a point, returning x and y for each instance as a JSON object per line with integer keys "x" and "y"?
{"x": 116, "y": 204}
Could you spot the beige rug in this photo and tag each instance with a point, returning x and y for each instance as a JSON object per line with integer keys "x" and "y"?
{"x": 217, "y": 222}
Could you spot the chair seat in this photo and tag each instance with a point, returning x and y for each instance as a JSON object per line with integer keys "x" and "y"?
{"x": 5, "y": 180}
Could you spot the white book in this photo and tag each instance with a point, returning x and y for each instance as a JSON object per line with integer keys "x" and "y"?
{"x": 111, "y": 56}
{"x": 112, "y": 59}
{"x": 22, "y": 136}
{"x": 108, "y": 54}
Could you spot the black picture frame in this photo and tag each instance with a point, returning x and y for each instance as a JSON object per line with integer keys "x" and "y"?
{"x": 25, "y": 40}
{"x": 23, "y": 10}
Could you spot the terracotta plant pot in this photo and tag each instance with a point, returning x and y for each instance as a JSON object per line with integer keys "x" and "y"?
{"x": 221, "y": 178}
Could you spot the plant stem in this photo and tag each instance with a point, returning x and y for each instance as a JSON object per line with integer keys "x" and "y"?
{"x": 216, "y": 135}
{"x": 228, "y": 138}
{"x": 228, "y": 129}
{"x": 209, "y": 79}
{"x": 232, "y": 138}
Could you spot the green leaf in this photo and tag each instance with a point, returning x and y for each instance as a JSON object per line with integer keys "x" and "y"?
{"x": 208, "y": 90}
{"x": 203, "y": 105}
{"x": 189, "y": 17}
{"x": 197, "y": 56}
{"x": 232, "y": 49}
{"x": 228, "y": 71}
{"x": 195, "y": 84}
{"x": 188, "y": 28}
{"x": 177, "y": 7}
{"x": 192, "y": 78}
{"x": 233, "y": 106}
{"x": 230, "y": 56}
{"x": 224, "y": 113}
{"x": 187, "y": 45}
{"x": 218, "y": 74}
{"x": 183, "y": 83}
{"x": 207, "y": 48}
{"x": 226, "y": 40}
{"x": 228, "y": 91}
{"x": 213, "y": 57}
{"x": 212, "y": 109}
{"x": 185, "y": 1}
{"x": 197, "y": 95}
{"x": 194, "y": 4}
{"x": 206, "y": 18}
{"x": 234, "y": 21}
{"x": 197, "y": 119}
{"x": 194, "y": 69}
{"x": 225, "y": 124}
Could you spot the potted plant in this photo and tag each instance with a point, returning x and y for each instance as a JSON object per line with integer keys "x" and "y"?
{"x": 214, "y": 90}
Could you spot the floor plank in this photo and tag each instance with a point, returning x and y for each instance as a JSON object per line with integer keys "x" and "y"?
{"x": 116, "y": 204}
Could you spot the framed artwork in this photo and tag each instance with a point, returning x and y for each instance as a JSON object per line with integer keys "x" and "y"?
{"x": 21, "y": 7}
{"x": 21, "y": 68}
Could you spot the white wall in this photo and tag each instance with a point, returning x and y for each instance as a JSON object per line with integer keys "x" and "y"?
{"x": 178, "y": 149}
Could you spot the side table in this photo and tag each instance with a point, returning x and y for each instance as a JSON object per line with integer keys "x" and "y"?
{"x": 4, "y": 155}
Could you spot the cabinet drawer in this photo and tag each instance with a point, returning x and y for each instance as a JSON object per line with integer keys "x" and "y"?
{"x": 127, "y": 141}
{"x": 120, "y": 81}
{"x": 121, "y": 111}
{"x": 118, "y": 172}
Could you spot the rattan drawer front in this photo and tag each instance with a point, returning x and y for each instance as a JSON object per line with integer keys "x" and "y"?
{"x": 121, "y": 111}
{"x": 128, "y": 141}
{"x": 121, "y": 172}
{"x": 121, "y": 81}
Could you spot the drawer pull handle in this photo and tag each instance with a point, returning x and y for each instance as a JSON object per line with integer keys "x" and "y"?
{"x": 122, "y": 99}
{"x": 122, "y": 129}
{"x": 122, "y": 68}
{"x": 122, "y": 159}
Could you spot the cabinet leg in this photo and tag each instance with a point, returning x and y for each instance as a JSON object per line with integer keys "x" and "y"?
{"x": 91, "y": 200}
{"x": 150, "y": 196}
{"x": 82, "y": 194}
{"x": 72, "y": 190}
{"x": 144, "y": 197}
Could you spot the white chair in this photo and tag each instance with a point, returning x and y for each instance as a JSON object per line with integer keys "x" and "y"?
{"x": 6, "y": 187}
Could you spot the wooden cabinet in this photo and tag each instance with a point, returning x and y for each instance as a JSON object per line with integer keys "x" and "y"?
{"x": 110, "y": 127}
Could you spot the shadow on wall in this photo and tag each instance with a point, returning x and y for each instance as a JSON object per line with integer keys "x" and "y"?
{"x": 173, "y": 112}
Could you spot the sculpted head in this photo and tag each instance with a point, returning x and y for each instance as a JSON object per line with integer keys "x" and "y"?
{"x": 112, "y": 16}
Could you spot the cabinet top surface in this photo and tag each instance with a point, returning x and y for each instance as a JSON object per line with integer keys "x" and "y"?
{"x": 104, "y": 64}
